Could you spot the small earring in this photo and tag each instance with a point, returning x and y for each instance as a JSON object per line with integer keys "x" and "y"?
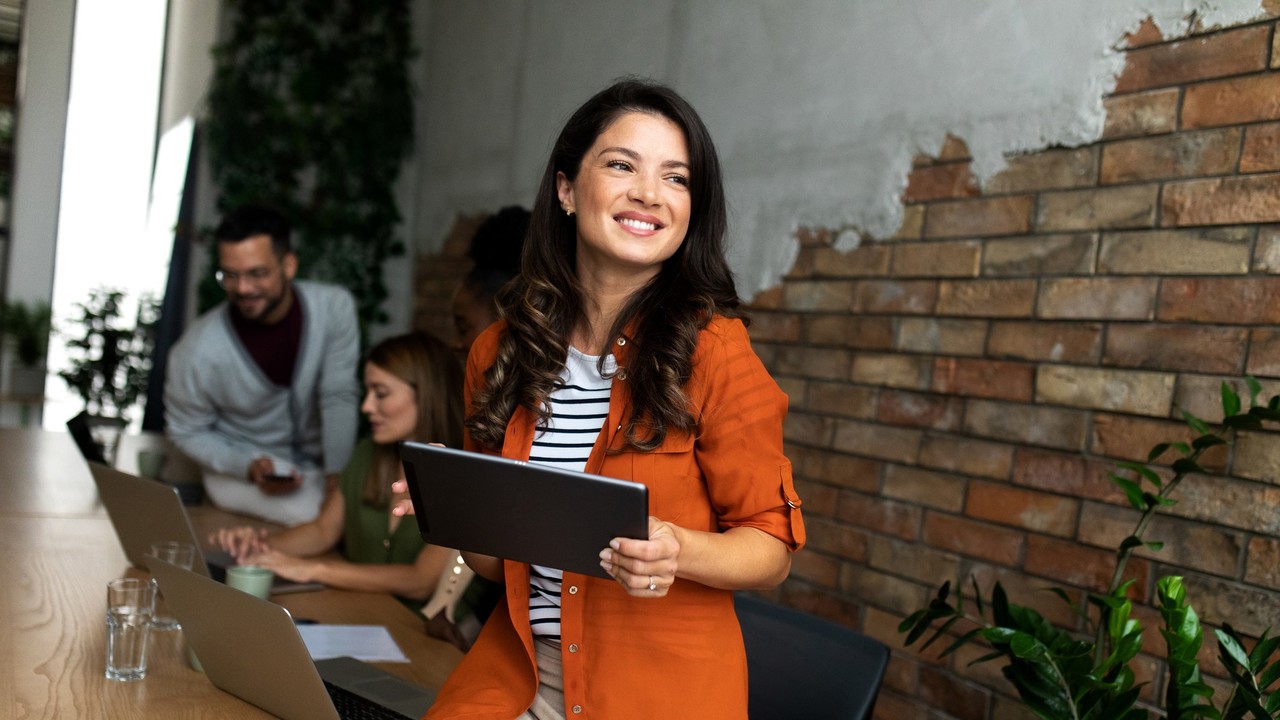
{"x": 568, "y": 213}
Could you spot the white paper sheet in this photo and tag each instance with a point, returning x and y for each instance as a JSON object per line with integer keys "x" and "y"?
{"x": 371, "y": 643}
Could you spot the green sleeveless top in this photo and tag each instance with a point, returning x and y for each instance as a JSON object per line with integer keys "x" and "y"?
{"x": 365, "y": 537}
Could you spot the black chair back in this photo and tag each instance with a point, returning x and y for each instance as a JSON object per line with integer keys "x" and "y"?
{"x": 803, "y": 666}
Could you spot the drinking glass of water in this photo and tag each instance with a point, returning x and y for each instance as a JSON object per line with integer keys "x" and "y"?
{"x": 130, "y": 605}
{"x": 175, "y": 553}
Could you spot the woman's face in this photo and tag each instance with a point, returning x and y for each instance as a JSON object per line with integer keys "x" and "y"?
{"x": 391, "y": 405}
{"x": 631, "y": 197}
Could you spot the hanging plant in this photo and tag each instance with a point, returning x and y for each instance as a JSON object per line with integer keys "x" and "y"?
{"x": 311, "y": 110}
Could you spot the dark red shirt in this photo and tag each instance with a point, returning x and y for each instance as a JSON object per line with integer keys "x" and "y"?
{"x": 273, "y": 347}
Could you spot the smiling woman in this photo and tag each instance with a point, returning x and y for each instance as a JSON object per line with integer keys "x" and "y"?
{"x": 631, "y": 196}
{"x": 622, "y": 353}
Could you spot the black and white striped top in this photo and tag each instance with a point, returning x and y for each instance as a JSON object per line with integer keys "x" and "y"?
{"x": 578, "y": 411}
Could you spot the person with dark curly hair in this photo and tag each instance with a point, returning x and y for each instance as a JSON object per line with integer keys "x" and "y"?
{"x": 495, "y": 256}
{"x": 622, "y": 351}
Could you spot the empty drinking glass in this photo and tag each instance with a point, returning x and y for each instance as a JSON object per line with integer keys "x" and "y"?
{"x": 174, "y": 553}
{"x": 130, "y": 604}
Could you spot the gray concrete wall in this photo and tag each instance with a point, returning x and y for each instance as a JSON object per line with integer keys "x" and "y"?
{"x": 817, "y": 106}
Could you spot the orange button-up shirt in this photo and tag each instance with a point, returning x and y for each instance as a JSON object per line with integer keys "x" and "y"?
{"x": 680, "y": 656}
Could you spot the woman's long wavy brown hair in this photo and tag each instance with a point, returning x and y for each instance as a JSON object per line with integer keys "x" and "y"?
{"x": 545, "y": 302}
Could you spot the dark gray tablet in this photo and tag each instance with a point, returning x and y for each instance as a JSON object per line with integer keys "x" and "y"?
{"x": 519, "y": 510}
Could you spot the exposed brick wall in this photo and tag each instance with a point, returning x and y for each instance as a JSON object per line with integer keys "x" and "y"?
{"x": 436, "y": 278}
{"x": 959, "y": 391}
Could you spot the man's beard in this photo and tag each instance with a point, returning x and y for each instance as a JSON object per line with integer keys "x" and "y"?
{"x": 272, "y": 303}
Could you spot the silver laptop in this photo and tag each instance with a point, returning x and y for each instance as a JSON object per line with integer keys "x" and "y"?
{"x": 144, "y": 511}
{"x": 252, "y": 649}
{"x": 521, "y": 511}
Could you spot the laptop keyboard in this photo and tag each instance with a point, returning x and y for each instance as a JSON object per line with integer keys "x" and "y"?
{"x": 351, "y": 706}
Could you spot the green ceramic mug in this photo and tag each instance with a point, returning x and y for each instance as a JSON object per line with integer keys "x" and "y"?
{"x": 251, "y": 579}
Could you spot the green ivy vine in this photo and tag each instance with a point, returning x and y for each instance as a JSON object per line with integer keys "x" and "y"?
{"x": 311, "y": 110}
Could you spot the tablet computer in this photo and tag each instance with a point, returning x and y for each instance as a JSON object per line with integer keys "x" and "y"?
{"x": 519, "y": 510}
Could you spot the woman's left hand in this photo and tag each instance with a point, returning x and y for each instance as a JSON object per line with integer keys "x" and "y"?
{"x": 290, "y": 568}
{"x": 644, "y": 568}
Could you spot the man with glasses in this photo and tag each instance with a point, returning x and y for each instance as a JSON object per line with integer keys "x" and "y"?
{"x": 261, "y": 390}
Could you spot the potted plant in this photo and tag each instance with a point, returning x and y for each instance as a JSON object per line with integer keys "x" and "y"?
{"x": 27, "y": 327}
{"x": 110, "y": 361}
{"x": 1060, "y": 675}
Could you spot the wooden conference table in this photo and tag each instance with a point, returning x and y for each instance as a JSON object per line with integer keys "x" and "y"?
{"x": 57, "y": 552}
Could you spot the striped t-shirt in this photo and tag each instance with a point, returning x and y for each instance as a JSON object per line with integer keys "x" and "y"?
{"x": 579, "y": 408}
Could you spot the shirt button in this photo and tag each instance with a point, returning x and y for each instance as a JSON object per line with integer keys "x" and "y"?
{"x": 573, "y": 648}
{"x": 621, "y": 341}
{"x": 573, "y": 589}
{"x": 577, "y": 709}
{"x": 386, "y": 544}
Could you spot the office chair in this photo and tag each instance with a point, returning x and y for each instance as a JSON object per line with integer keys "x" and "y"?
{"x": 803, "y": 666}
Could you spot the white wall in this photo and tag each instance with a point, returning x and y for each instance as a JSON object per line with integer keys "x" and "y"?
{"x": 44, "y": 84}
{"x": 816, "y": 106}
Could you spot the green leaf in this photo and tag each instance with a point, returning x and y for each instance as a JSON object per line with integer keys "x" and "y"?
{"x": 1230, "y": 401}
{"x": 1119, "y": 619}
{"x": 1132, "y": 541}
{"x": 1229, "y": 648}
{"x": 977, "y": 593}
{"x": 1154, "y": 545}
{"x": 1075, "y": 608}
{"x": 961, "y": 641}
{"x": 986, "y": 658}
{"x": 1243, "y": 422}
{"x": 999, "y": 635}
{"x": 1131, "y": 491}
{"x": 1265, "y": 413}
{"x": 944, "y": 591}
{"x": 1207, "y": 441}
{"x": 1186, "y": 466}
{"x": 1195, "y": 423}
{"x": 911, "y": 620}
{"x": 1142, "y": 470}
{"x": 935, "y": 611}
{"x": 999, "y": 605}
{"x": 1255, "y": 389}
{"x": 942, "y": 630}
{"x": 1262, "y": 650}
{"x": 1157, "y": 451}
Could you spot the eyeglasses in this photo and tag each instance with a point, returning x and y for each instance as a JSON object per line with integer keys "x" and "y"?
{"x": 256, "y": 276}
